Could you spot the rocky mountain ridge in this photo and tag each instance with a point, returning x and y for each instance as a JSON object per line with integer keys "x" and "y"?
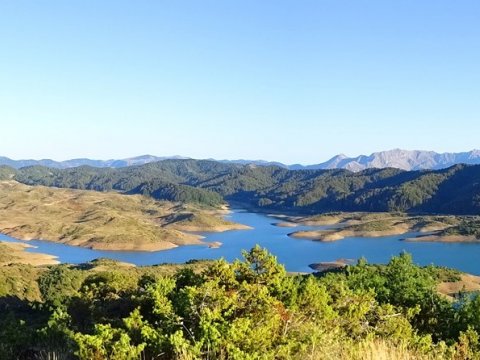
{"x": 396, "y": 158}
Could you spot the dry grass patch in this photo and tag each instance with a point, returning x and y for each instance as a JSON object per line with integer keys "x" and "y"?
{"x": 101, "y": 220}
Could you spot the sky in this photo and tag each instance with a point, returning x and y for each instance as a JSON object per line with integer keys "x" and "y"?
{"x": 294, "y": 81}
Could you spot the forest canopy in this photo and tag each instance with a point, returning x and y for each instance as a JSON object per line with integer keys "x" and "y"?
{"x": 455, "y": 190}
{"x": 249, "y": 309}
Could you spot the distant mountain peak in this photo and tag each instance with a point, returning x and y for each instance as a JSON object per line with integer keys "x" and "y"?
{"x": 401, "y": 159}
{"x": 396, "y": 158}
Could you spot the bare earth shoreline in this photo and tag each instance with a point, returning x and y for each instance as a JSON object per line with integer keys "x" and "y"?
{"x": 14, "y": 253}
{"x": 333, "y": 235}
{"x": 430, "y": 228}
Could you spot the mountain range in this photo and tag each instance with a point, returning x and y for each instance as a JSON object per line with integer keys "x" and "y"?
{"x": 400, "y": 159}
{"x": 396, "y": 158}
{"x": 67, "y": 164}
{"x": 455, "y": 190}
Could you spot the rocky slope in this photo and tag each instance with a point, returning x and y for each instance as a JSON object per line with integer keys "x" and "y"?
{"x": 396, "y": 158}
{"x": 400, "y": 159}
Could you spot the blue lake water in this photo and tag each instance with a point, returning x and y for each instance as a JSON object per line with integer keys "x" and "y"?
{"x": 295, "y": 254}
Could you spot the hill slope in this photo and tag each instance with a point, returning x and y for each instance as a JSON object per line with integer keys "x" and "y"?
{"x": 455, "y": 190}
{"x": 396, "y": 158}
{"x": 112, "y": 163}
{"x": 101, "y": 220}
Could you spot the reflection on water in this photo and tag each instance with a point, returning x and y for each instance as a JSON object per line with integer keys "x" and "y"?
{"x": 294, "y": 253}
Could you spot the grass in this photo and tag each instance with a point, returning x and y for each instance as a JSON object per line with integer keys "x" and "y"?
{"x": 101, "y": 220}
{"x": 380, "y": 224}
{"x": 376, "y": 225}
{"x": 6, "y": 255}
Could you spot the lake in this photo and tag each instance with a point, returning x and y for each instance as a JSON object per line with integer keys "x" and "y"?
{"x": 295, "y": 254}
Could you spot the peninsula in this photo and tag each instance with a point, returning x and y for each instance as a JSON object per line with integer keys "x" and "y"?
{"x": 104, "y": 220}
{"x": 443, "y": 228}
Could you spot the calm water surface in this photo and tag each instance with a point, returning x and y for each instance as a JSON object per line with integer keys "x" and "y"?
{"x": 294, "y": 253}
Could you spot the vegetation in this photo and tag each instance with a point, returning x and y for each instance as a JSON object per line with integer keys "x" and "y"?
{"x": 178, "y": 193}
{"x": 467, "y": 227}
{"x": 162, "y": 182}
{"x": 432, "y": 227}
{"x": 101, "y": 220}
{"x": 251, "y": 309}
{"x": 449, "y": 191}
{"x": 7, "y": 173}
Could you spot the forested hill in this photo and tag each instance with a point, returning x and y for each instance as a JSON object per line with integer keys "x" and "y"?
{"x": 455, "y": 190}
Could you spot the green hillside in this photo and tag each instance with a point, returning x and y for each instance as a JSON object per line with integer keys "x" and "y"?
{"x": 455, "y": 190}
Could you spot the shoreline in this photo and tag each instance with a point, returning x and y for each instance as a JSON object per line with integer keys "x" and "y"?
{"x": 17, "y": 254}
{"x": 444, "y": 238}
{"x": 191, "y": 239}
{"x": 341, "y": 234}
{"x": 346, "y": 225}
{"x": 193, "y": 236}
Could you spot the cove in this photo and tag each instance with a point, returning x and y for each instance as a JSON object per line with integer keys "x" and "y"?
{"x": 295, "y": 254}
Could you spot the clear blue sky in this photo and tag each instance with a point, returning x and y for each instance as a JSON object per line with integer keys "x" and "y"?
{"x": 295, "y": 81}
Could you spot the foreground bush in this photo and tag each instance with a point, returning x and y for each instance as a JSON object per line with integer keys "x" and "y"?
{"x": 251, "y": 309}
